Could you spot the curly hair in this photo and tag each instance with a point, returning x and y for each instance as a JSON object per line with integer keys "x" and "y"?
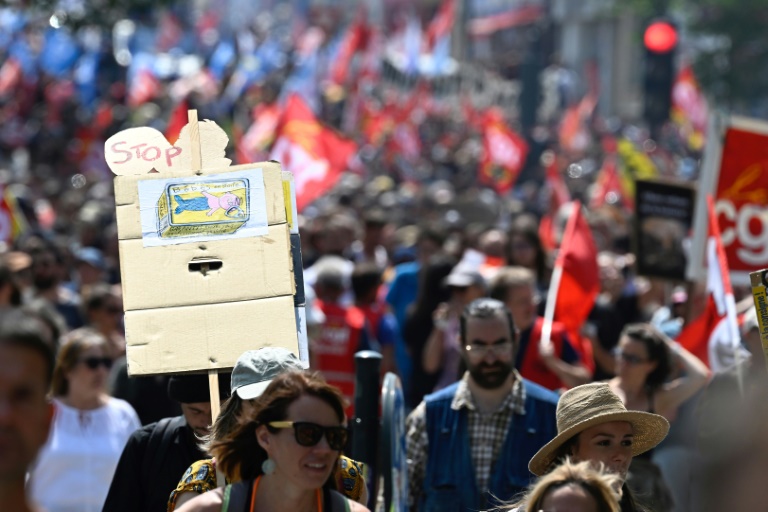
{"x": 239, "y": 454}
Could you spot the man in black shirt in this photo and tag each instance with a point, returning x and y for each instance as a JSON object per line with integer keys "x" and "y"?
{"x": 155, "y": 455}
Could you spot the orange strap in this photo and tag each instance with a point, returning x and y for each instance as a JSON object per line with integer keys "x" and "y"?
{"x": 256, "y": 486}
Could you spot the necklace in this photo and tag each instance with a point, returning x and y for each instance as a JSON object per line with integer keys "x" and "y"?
{"x": 256, "y": 486}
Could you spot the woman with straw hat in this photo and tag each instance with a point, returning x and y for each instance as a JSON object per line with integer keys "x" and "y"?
{"x": 593, "y": 424}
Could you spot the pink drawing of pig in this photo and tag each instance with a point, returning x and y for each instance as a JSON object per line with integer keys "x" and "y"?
{"x": 225, "y": 202}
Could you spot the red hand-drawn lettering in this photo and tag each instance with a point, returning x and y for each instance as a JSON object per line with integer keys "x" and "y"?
{"x": 171, "y": 153}
{"x": 155, "y": 149}
{"x": 115, "y": 149}
{"x": 138, "y": 147}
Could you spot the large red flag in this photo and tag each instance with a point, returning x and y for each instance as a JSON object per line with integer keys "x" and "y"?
{"x": 575, "y": 282}
{"x": 714, "y": 336}
{"x": 314, "y": 153}
{"x": 504, "y": 153}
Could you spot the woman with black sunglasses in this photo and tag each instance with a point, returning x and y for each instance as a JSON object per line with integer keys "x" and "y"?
{"x": 284, "y": 451}
{"x": 75, "y": 467}
{"x": 646, "y": 360}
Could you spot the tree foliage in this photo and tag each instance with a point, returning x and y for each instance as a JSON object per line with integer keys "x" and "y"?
{"x": 727, "y": 43}
{"x": 732, "y": 60}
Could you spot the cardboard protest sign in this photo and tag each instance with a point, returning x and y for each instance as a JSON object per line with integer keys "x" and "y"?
{"x": 663, "y": 220}
{"x": 759, "y": 282}
{"x": 735, "y": 173}
{"x": 205, "y": 249}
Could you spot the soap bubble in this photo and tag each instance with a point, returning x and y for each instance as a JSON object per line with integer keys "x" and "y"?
{"x": 78, "y": 181}
{"x": 575, "y": 171}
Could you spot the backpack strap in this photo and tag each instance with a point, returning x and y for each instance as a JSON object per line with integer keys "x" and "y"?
{"x": 236, "y": 497}
{"x": 157, "y": 446}
{"x": 338, "y": 502}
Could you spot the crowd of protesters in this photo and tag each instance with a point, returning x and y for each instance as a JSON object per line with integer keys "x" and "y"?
{"x": 397, "y": 255}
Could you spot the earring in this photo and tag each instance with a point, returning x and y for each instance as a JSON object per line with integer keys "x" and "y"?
{"x": 268, "y": 466}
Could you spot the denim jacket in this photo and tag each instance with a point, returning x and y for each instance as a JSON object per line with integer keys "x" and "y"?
{"x": 450, "y": 482}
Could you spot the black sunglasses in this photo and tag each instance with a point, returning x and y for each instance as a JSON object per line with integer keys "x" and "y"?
{"x": 309, "y": 434}
{"x": 94, "y": 362}
{"x": 629, "y": 358}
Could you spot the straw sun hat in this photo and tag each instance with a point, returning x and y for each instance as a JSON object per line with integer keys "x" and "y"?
{"x": 593, "y": 404}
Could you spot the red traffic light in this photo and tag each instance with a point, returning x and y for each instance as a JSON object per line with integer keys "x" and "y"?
{"x": 660, "y": 37}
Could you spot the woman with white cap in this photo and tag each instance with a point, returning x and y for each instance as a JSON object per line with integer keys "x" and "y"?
{"x": 593, "y": 424}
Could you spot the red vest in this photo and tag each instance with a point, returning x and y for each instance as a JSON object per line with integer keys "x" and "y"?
{"x": 335, "y": 348}
{"x": 532, "y": 367}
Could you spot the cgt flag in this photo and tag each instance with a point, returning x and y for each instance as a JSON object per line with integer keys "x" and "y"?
{"x": 315, "y": 154}
{"x": 504, "y": 153}
{"x": 714, "y": 336}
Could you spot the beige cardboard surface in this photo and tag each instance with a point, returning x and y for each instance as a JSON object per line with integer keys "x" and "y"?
{"x": 127, "y": 195}
{"x": 251, "y": 268}
{"x": 208, "y": 336}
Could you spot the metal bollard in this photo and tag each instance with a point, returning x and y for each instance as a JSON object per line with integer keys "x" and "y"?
{"x": 365, "y": 425}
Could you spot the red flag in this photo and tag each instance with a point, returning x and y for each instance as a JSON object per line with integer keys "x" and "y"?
{"x": 10, "y": 75}
{"x": 689, "y": 107}
{"x": 241, "y": 155}
{"x": 12, "y": 221}
{"x": 143, "y": 88}
{"x": 255, "y": 144}
{"x": 488, "y": 25}
{"x": 714, "y": 336}
{"x": 580, "y": 281}
{"x": 609, "y": 188}
{"x": 504, "y": 154}
{"x": 169, "y": 32}
{"x": 355, "y": 40}
{"x": 574, "y": 134}
{"x": 315, "y": 154}
{"x": 442, "y": 23}
{"x": 177, "y": 121}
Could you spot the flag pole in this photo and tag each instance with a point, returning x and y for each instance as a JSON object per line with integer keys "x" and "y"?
{"x": 554, "y": 282}
{"x": 549, "y": 310}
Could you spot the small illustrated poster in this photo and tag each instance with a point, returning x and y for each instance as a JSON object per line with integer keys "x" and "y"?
{"x": 203, "y": 208}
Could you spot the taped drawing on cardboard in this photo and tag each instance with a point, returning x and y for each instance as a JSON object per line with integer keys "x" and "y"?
{"x": 185, "y": 210}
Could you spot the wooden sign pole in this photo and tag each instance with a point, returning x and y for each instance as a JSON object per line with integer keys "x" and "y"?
{"x": 197, "y": 164}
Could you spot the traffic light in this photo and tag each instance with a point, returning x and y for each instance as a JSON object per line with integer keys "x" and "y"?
{"x": 660, "y": 42}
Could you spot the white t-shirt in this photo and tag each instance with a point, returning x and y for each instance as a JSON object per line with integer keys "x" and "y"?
{"x": 75, "y": 467}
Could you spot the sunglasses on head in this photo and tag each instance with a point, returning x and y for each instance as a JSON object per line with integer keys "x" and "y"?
{"x": 309, "y": 434}
{"x": 95, "y": 362}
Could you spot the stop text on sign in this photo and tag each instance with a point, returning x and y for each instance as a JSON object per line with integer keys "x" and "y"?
{"x": 143, "y": 151}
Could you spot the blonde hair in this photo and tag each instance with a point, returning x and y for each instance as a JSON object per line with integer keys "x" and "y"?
{"x": 599, "y": 484}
